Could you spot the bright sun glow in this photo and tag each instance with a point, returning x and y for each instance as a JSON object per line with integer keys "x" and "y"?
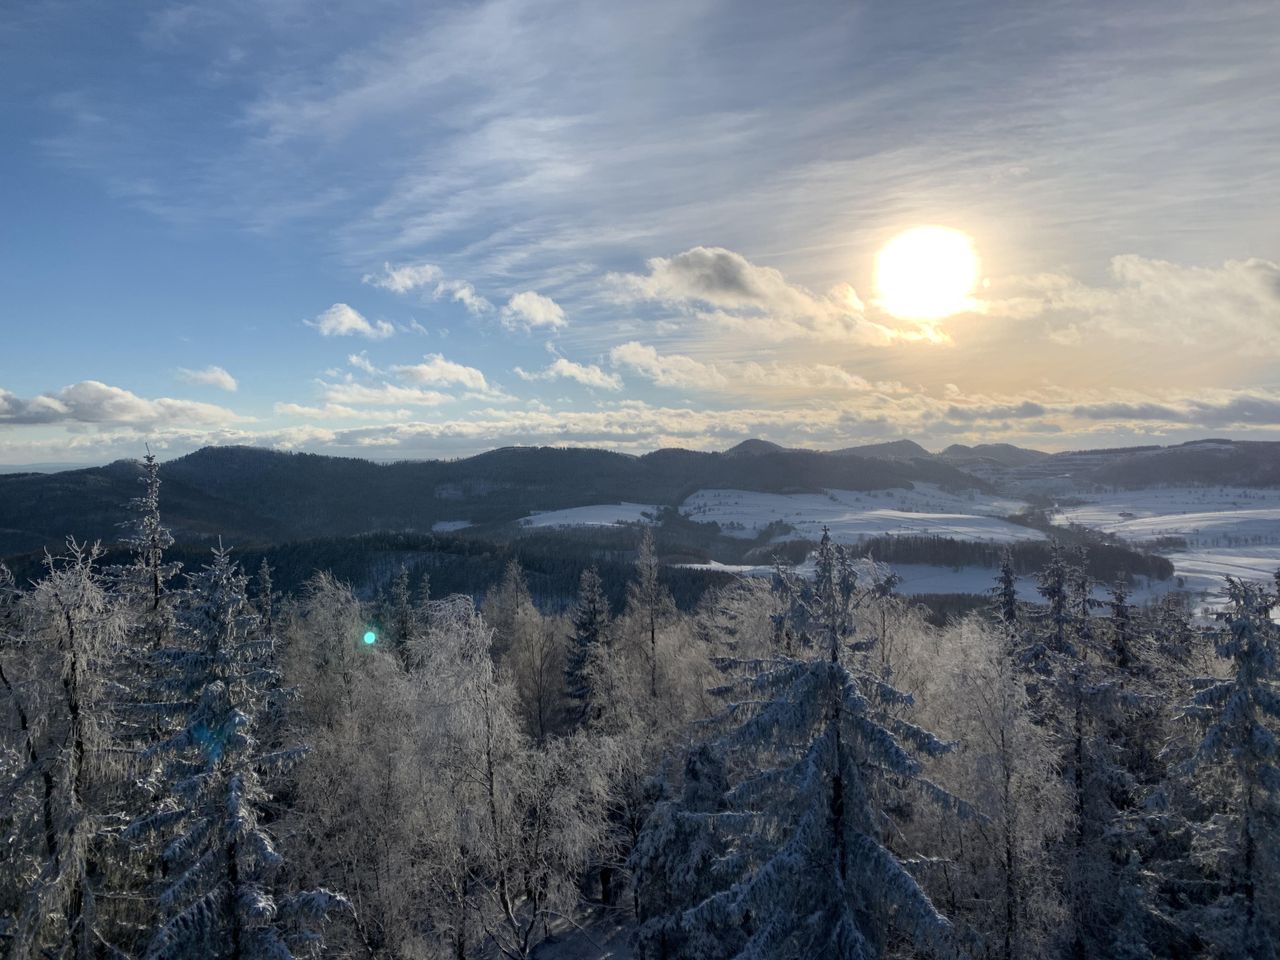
{"x": 926, "y": 273}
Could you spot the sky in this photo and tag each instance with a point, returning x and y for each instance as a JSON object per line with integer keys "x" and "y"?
{"x": 404, "y": 230}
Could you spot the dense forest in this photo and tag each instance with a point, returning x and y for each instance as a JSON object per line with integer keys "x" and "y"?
{"x": 197, "y": 763}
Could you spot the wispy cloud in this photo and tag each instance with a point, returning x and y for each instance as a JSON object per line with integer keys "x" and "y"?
{"x": 589, "y": 375}
{"x": 405, "y": 277}
{"x": 341, "y": 320}
{"x": 211, "y": 376}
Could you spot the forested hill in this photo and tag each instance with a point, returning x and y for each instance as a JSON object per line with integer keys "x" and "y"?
{"x": 253, "y": 496}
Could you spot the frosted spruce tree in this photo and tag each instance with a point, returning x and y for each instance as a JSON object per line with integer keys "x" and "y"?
{"x": 588, "y": 641}
{"x": 216, "y": 896}
{"x": 1240, "y": 756}
{"x": 1004, "y": 595}
{"x": 801, "y": 864}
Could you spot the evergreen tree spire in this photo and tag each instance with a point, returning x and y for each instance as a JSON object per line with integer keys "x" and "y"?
{"x": 590, "y": 636}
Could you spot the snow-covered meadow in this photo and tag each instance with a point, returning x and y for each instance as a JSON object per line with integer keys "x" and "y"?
{"x": 852, "y": 516}
{"x": 594, "y": 515}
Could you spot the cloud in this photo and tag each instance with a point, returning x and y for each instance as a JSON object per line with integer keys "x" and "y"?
{"x": 1235, "y": 305}
{"x": 725, "y": 288}
{"x": 406, "y": 277}
{"x": 459, "y": 291}
{"x": 385, "y": 394}
{"x": 361, "y": 361}
{"x": 341, "y": 320}
{"x": 670, "y": 370}
{"x": 684, "y": 372}
{"x": 532, "y": 310}
{"x": 436, "y": 371}
{"x": 589, "y": 375}
{"x": 414, "y": 276}
{"x": 337, "y": 411}
{"x": 211, "y": 376}
{"x": 94, "y": 402}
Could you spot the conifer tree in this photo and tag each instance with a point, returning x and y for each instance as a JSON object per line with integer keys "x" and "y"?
{"x": 588, "y": 641}
{"x": 809, "y": 872}
{"x": 1241, "y": 715}
{"x": 217, "y": 897}
{"x": 1005, "y": 593}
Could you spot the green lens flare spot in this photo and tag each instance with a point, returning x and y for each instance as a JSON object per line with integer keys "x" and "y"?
{"x": 370, "y": 637}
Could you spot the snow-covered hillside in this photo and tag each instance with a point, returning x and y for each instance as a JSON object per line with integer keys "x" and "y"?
{"x": 856, "y": 515}
{"x": 595, "y": 515}
{"x": 1203, "y": 516}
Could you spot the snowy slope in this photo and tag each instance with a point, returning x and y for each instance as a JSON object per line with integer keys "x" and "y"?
{"x": 595, "y": 515}
{"x": 857, "y": 515}
{"x": 1230, "y": 531}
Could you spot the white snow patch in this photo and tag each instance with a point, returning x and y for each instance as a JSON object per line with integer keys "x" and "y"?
{"x": 448, "y": 526}
{"x": 855, "y": 515}
{"x": 596, "y": 515}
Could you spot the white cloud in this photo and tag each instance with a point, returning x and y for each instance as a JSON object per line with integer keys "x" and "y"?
{"x": 1155, "y": 301}
{"x": 588, "y": 375}
{"x": 337, "y": 411}
{"x": 459, "y": 291}
{"x": 725, "y": 288}
{"x": 670, "y": 370}
{"x": 532, "y": 310}
{"x": 361, "y": 361}
{"x": 211, "y": 376}
{"x": 684, "y": 372}
{"x": 436, "y": 371}
{"x": 91, "y": 401}
{"x": 406, "y": 277}
{"x": 385, "y": 394}
{"x": 341, "y": 320}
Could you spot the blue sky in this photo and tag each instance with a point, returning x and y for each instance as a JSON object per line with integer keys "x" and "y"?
{"x": 404, "y": 230}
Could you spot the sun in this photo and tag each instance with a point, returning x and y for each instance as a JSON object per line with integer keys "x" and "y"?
{"x": 926, "y": 273}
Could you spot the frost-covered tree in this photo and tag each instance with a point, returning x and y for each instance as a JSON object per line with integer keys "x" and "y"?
{"x": 1004, "y": 596}
{"x": 217, "y": 897}
{"x": 511, "y": 826}
{"x": 649, "y": 603}
{"x": 69, "y": 633}
{"x": 997, "y": 872}
{"x": 816, "y": 761}
{"x": 1240, "y": 755}
{"x": 588, "y": 641}
{"x": 530, "y": 649}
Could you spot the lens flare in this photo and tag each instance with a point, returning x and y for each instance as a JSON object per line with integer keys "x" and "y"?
{"x": 370, "y": 637}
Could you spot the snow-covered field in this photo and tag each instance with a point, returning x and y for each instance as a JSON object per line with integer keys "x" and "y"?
{"x": 857, "y": 515}
{"x": 449, "y": 526}
{"x": 1204, "y": 516}
{"x": 1229, "y": 531}
{"x": 595, "y": 515}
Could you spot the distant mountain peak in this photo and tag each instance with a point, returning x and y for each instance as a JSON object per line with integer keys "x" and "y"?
{"x": 753, "y": 448}
{"x": 903, "y": 449}
{"x": 1005, "y": 454}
